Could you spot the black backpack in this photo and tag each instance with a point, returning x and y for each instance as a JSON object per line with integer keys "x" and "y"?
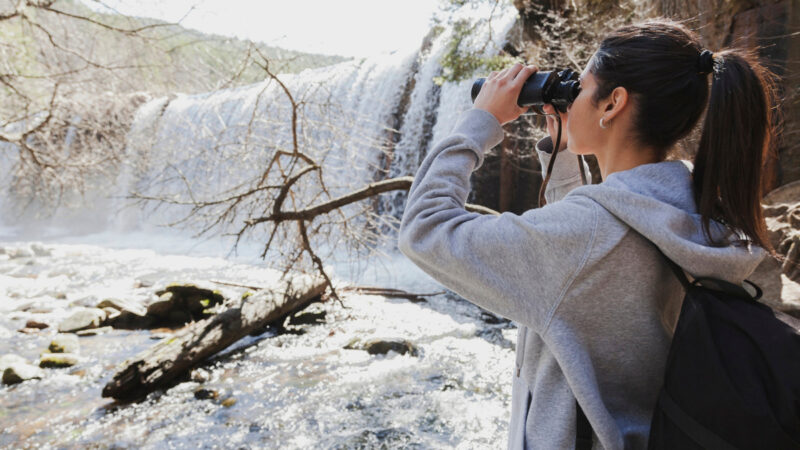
{"x": 732, "y": 378}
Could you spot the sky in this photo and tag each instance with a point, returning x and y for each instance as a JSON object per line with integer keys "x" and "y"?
{"x": 339, "y": 27}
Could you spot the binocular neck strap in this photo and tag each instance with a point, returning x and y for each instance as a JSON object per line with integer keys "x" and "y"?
{"x": 553, "y": 155}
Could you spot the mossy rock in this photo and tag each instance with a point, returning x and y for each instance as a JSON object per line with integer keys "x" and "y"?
{"x": 58, "y": 360}
{"x": 19, "y": 372}
{"x": 193, "y": 291}
{"x": 64, "y": 343}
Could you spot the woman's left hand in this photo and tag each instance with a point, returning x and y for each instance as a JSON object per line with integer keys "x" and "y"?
{"x": 500, "y": 92}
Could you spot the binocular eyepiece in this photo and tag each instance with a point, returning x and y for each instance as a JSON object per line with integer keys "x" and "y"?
{"x": 557, "y": 88}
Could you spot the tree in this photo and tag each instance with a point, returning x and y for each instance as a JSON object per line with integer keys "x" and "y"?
{"x": 72, "y": 77}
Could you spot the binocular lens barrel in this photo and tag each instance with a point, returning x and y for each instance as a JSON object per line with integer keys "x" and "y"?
{"x": 557, "y": 88}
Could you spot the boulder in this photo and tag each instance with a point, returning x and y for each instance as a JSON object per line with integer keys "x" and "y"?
{"x": 308, "y": 318}
{"x": 111, "y": 313}
{"x": 82, "y": 319}
{"x": 780, "y": 280}
{"x": 178, "y": 304}
{"x": 19, "y": 372}
{"x": 40, "y": 250}
{"x": 206, "y": 394}
{"x": 384, "y": 346}
{"x": 57, "y": 360}
{"x": 123, "y": 305}
{"x": 161, "y": 307}
{"x": 19, "y": 252}
{"x": 94, "y": 331}
{"x": 787, "y": 194}
{"x": 64, "y": 343}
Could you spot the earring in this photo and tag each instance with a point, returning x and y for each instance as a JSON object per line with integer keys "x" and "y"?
{"x": 603, "y": 125}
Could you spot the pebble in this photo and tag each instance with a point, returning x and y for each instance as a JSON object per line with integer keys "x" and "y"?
{"x": 35, "y": 324}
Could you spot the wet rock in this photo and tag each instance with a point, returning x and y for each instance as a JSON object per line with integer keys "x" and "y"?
{"x": 206, "y": 394}
{"x": 200, "y": 375}
{"x": 64, "y": 343}
{"x": 123, "y": 306}
{"x": 9, "y": 359}
{"x": 83, "y": 319}
{"x": 308, "y": 318}
{"x": 193, "y": 297}
{"x": 492, "y": 319}
{"x": 381, "y": 347}
{"x": 94, "y": 331}
{"x": 161, "y": 307}
{"x": 58, "y": 360}
{"x": 35, "y": 324}
{"x": 27, "y": 330}
{"x": 40, "y": 250}
{"x": 178, "y": 316}
{"x": 19, "y": 252}
{"x": 780, "y": 281}
{"x": 111, "y": 313}
{"x": 129, "y": 321}
{"x": 180, "y": 304}
{"x": 19, "y": 372}
{"x": 384, "y": 346}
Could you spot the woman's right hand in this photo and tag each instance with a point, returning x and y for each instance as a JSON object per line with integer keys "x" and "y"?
{"x": 552, "y": 125}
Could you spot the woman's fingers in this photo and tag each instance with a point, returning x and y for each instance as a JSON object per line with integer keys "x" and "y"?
{"x": 500, "y": 91}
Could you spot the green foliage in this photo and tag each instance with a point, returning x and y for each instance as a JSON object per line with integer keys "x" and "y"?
{"x": 161, "y": 59}
{"x": 465, "y": 56}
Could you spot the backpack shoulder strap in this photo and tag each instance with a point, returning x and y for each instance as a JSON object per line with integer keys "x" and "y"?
{"x": 583, "y": 434}
{"x": 676, "y": 269}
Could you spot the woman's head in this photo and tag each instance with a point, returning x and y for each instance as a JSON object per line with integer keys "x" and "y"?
{"x": 659, "y": 73}
{"x": 657, "y": 63}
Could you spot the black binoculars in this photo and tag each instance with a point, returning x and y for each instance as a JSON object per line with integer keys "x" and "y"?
{"x": 557, "y": 88}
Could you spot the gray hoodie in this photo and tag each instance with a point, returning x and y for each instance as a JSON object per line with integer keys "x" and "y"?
{"x": 594, "y": 300}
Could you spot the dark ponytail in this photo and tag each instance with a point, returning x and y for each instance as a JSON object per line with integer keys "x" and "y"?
{"x": 737, "y": 134}
{"x": 664, "y": 67}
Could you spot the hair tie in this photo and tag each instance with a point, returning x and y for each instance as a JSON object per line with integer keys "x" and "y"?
{"x": 705, "y": 62}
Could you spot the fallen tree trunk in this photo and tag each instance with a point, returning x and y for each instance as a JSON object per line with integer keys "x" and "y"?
{"x": 171, "y": 358}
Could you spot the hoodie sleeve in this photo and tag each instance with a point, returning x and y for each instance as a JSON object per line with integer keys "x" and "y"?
{"x": 517, "y": 266}
{"x": 566, "y": 174}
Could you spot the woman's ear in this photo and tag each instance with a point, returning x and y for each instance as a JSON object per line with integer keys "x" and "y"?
{"x": 615, "y": 103}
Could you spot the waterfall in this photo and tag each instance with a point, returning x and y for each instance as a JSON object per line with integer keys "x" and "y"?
{"x": 361, "y": 120}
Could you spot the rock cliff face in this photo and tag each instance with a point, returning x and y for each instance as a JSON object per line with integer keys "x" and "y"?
{"x": 770, "y": 26}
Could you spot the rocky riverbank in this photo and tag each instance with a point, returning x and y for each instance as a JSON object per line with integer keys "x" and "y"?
{"x": 379, "y": 371}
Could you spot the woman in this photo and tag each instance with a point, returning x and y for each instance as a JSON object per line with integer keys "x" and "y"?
{"x": 595, "y": 301}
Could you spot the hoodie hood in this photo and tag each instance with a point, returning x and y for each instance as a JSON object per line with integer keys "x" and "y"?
{"x": 657, "y": 201}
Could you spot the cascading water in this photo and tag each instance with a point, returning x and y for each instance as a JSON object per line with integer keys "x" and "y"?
{"x": 291, "y": 390}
